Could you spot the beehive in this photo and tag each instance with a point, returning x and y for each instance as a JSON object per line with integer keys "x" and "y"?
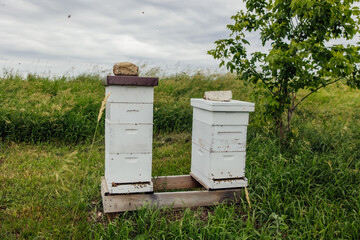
{"x": 128, "y": 134}
{"x": 219, "y": 142}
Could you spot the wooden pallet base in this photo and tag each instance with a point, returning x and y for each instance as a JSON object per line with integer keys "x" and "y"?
{"x": 194, "y": 198}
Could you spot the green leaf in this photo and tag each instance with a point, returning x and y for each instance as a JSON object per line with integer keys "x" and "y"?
{"x": 301, "y": 52}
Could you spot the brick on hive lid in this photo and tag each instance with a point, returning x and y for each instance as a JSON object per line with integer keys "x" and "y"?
{"x": 221, "y": 96}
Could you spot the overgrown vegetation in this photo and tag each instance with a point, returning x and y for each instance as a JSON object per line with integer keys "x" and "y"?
{"x": 36, "y": 109}
{"x": 50, "y": 187}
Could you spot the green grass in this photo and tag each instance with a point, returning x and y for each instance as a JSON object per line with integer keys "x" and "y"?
{"x": 50, "y": 186}
{"x": 36, "y": 109}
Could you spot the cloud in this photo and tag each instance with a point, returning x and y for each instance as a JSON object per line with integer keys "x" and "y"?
{"x": 104, "y": 32}
{"x": 68, "y": 34}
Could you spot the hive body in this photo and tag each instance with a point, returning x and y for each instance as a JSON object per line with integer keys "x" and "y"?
{"x": 128, "y": 137}
{"x": 219, "y": 142}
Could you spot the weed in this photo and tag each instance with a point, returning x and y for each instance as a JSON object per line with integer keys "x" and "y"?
{"x": 50, "y": 187}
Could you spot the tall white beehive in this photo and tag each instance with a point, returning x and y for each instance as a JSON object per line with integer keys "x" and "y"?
{"x": 219, "y": 142}
{"x": 128, "y": 134}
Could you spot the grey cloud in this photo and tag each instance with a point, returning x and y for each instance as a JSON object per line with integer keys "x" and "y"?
{"x": 164, "y": 32}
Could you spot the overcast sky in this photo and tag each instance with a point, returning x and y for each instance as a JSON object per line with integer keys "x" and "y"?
{"x": 72, "y": 36}
{"x": 68, "y": 37}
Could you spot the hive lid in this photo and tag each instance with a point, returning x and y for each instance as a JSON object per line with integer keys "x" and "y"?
{"x": 215, "y": 106}
{"x": 130, "y": 80}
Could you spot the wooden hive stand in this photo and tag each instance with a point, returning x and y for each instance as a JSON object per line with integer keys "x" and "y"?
{"x": 195, "y": 197}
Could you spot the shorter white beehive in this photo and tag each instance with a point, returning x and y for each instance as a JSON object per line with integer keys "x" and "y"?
{"x": 219, "y": 142}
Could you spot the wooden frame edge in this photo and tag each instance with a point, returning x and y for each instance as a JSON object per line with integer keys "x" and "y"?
{"x": 131, "y": 202}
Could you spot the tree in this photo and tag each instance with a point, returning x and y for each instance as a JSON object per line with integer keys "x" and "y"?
{"x": 302, "y": 54}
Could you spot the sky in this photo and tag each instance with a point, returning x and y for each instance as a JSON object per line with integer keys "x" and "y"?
{"x": 68, "y": 37}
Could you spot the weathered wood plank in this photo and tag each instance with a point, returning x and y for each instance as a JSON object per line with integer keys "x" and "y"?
{"x": 104, "y": 187}
{"x": 166, "y": 183}
{"x": 130, "y": 202}
{"x": 175, "y": 182}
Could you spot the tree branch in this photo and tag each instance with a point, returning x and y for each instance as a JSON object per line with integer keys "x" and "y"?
{"x": 293, "y": 109}
{"x": 259, "y": 76}
{"x": 267, "y": 86}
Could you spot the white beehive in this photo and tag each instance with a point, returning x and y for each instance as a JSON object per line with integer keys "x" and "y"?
{"x": 128, "y": 134}
{"x": 219, "y": 142}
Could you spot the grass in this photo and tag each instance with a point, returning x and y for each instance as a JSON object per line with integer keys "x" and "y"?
{"x": 50, "y": 187}
{"x": 36, "y": 109}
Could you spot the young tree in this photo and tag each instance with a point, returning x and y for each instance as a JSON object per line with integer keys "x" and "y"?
{"x": 302, "y": 54}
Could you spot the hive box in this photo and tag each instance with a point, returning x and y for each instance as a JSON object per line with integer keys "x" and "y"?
{"x": 128, "y": 134}
{"x": 219, "y": 142}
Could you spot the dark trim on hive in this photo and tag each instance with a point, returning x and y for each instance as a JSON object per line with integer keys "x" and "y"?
{"x": 130, "y": 81}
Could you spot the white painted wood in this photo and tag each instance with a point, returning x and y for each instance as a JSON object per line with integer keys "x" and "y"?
{"x": 130, "y": 94}
{"x": 218, "y": 165}
{"x": 125, "y": 168}
{"x": 219, "y": 142}
{"x": 222, "y": 184}
{"x": 128, "y": 138}
{"x": 221, "y": 118}
{"x": 219, "y": 138}
{"x": 129, "y": 112}
{"x": 217, "y": 106}
{"x": 130, "y": 188}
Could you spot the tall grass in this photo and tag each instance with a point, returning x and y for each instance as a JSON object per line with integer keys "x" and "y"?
{"x": 101, "y": 111}
{"x": 308, "y": 189}
{"x": 37, "y": 109}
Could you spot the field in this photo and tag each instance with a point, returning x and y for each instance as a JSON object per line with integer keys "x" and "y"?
{"x": 50, "y": 180}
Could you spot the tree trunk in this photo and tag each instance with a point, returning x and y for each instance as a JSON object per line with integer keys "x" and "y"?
{"x": 280, "y": 127}
{"x": 290, "y": 113}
